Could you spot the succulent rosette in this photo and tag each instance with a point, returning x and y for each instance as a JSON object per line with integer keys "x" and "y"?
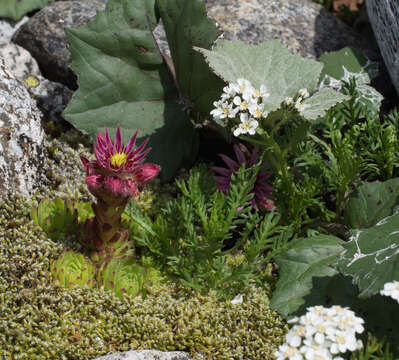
{"x": 73, "y": 269}
{"x": 263, "y": 192}
{"x": 119, "y": 171}
{"x": 117, "y": 174}
{"x": 122, "y": 276}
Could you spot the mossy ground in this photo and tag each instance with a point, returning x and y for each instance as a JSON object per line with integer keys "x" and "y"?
{"x": 41, "y": 321}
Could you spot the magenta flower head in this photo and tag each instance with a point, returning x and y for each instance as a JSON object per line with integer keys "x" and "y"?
{"x": 118, "y": 171}
{"x": 263, "y": 191}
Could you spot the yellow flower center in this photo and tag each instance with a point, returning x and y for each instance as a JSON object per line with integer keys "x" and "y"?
{"x": 118, "y": 159}
{"x": 257, "y": 113}
{"x": 245, "y": 125}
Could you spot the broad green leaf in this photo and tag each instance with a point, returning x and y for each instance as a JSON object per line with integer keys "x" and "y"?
{"x": 349, "y": 63}
{"x": 318, "y": 104}
{"x": 304, "y": 260}
{"x": 371, "y": 256}
{"x": 187, "y": 25}
{"x": 370, "y": 98}
{"x": 371, "y": 202}
{"x": 14, "y": 9}
{"x": 268, "y": 63}
{"x": 339, "y": 64}
{"x": 123, "y": 80}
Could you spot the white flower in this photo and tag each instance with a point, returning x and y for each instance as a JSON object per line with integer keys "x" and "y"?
{"x": 295, "y": 335}
{"x": 343, "y": 341}
{"x": 313, "y": 351}
{"x": 257, "y": 110}
{"x": 261, "y": 93}
{"x": 242, "y": 104}
{"x": 319, "y": 329}
{"x": 288, "y": 352}
{"x": 349, "y": 321}
{"x": 391, "y": 289}
{"x": 322, "y": 333}
{"x": 238, "y": 299}
{"x": 229, "y": 91}
{"x": 244, "y": 86}
{"x": 247, "y": 126}
{"x": 223, "y": 110}
{"x": 303, "y": 93}
{"x": 288, "y": 101}
{"x": 299, "y": 105}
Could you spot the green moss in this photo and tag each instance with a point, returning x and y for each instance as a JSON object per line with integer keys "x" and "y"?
{"x": 41, "y": 321}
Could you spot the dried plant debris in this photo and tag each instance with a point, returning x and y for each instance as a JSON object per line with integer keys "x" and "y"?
{"x": 352, "y": 5}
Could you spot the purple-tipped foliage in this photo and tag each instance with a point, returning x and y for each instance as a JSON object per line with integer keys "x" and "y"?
{"x": 262, "y": 190}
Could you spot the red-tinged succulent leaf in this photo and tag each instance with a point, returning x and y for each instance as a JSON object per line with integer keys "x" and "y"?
{"x": 73, "y": 269}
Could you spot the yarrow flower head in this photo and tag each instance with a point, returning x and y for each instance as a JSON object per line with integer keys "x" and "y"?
{"x": 297, "y": 101}
{"x": 240, "y": 107}
{"x": 118, "y": 170}
{"x": 391, "y": 289}
{"x": 263, "y": 191}
{"x": 322, "y": 333}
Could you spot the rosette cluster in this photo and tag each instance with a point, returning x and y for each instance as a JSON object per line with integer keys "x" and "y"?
{"x": 118, "y": 171}
{"x": 117, "y": 174}
{"x": 241, "y": 107}
{"x": 263, "y": 192}
{"x": 322, "y": 333}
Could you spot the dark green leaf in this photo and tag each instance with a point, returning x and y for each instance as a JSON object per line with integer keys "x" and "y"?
{"x": 123, "y": 80}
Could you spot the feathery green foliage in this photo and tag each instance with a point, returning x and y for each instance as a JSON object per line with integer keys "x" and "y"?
{"x": 211, "y": 240}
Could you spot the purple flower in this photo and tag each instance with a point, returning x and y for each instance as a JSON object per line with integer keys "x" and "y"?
{"x": 118, "y": 170}
{"x": 263, "y": 191}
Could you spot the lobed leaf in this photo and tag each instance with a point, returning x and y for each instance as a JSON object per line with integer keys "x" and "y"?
{"x": 317, "y": 105}
{"x": 14, "y": 9}
{"x": 349, "y": 63}
{"x": 123, "y": 80}
{"x": 371, "y": 256}
{"x": 268, "y": 63}
{"x": 371, "y": 202}
{"x": 187, "y": 25}
{"x": 304, "y": 260}
{"x": 338, "y": 64}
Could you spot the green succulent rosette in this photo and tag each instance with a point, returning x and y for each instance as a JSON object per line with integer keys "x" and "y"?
{"x": 73, "y": 269}
{"x": 59, "y": 217}
{"x": 125, "y": 277}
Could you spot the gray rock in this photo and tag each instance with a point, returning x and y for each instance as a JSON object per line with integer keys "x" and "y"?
{"x": 304, "y": 27}
{"x": 384, "y": 18}
{"x": 51, "y": 97}
{"x": 44, "y": 36}
{"x": 19, "y": 61}
{"x": 8, "y": 28}
{"x": 301, "y": 25}
{"x": 147, "y": 355}
{"x": 21, "y": 138}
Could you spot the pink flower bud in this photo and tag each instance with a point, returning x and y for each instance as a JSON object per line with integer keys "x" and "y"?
{"x": 145, "y": 173}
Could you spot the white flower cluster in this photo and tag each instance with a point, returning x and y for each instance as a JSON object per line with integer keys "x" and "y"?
{"x": 391, "y": 289}
{"x": 321, "y": 334}
{"x": 243, "y": 104}
{"x": 297, "y": 102}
